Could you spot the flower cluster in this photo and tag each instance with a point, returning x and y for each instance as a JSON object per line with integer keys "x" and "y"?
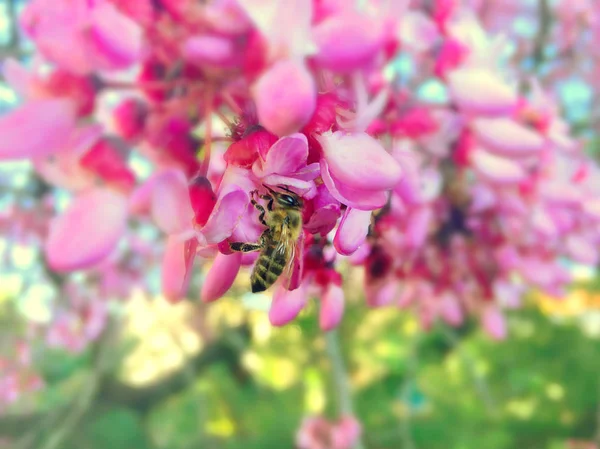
{"x": 176, "y": 120}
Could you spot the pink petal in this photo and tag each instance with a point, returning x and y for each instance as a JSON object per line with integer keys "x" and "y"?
{"x": 418, "y": 227}
{"x": 209, "y": 49}
{"x": 110, "y": 49}
{"x": 175, "y": 273}
{"x": 494, "y": 323}
{"x": 581, "y": 249}
{"x": 450, "y": 310}
{"x": 352, "y": 231}
{"x": 481, "y": 91}
{"x": 287, "y": 304}
{"x": 225, "y": 217}
{"x": 506, "y": 137}
{"x": 358, "y": 199}
{"x": 36, "y": 129}
{"x": 17, "y": 77}
{"x": 332, "y": 307}
{"x": 220, "y": 276}
{"x": 140, "y": 199}
{"x": 496, "y": 168}
{"x": 88, "y": 231}
{"x": 308, "y": 173}
{"x": 282, "y": 110}
{"x": 286, "y": 156}
{"x": 359, "y": 162}
{"x": 170, "y": 203}
{"x": 382, "y": 294}
{"x": 347, "y": 41}
{"x": 298, "y": 185}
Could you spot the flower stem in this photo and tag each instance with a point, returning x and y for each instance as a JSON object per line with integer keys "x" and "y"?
{"x": 340, "y": 377}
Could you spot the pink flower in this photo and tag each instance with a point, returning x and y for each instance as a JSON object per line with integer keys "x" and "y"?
{"x": 332, "y": 307}
{"x": 281, "y": 109}
{"x": 287, "y": 304}
{"x": 79, "y": 36}
{"x": 481, "y": 91}
{"x": 357, "y": 170}
{"x": 88, "y": 231}
{"x": 36, "y": 129}
{"x": 352, "y": 231}
{"x": 220, "y": 276}
{"x": 347, "y": 41}
{"x": 285, "y": 164}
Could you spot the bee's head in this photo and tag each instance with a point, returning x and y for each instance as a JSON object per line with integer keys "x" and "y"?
{"x": 287, "y": 199}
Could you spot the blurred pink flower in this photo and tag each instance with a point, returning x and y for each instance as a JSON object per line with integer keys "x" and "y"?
{"x": 79, "y": 35}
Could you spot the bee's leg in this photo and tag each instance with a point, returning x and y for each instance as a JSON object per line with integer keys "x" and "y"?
{"x": 245, "y": 247}
{"x": 261, "y": 217}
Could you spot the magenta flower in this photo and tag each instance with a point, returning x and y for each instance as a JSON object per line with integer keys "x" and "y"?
{"x": 285, "y": 164}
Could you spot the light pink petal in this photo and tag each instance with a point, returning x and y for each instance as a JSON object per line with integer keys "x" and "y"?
{"x": 450, "y": 310}
{"x": 88, "y": 231}
{"x": 286, "y": 156}
{"x": 110, "y": 49}
{"x": 170, "y": 203}
{"x": 347, "y": 41}
{"x": 382, "y": 294}
{"x": 506, "y": 137}
{"x": 581, "y": 249}
{"x": 508, "y": 294}
{"x": 297, "y": 184}
{"x": 496, "y": 168}
{"x": 210, "y": 49}
{"x": 418, "y": 227}
{"x": 358, "y": 161}
{"x": 352, "y": 232}
{"x": 17, "y": 77}
{"x": 494, "y": 323}
{"x": 332, "y": 307}
{"x": 287, "y": 304}
{"x": 175, "y": 274}
{"x": 285, "y": 25}
{"x": 543, "y": 222}
{"x": 358, "y": 199}
{"x": 481, "y": 91}
{"x": 220, "y": 276}
{"x": 282, "y": 110}
{"x": 36, "y": 129}
{"x": 225, "y": 216}
{"x": 140, "y": 200}
{"x": 346, "y": 433}
{"x": 308, "y": 173}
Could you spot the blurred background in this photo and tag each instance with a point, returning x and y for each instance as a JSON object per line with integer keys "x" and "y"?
{"x": 193, "y": 375}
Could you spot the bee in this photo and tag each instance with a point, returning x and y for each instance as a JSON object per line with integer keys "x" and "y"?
{"x": 277, "y": 244}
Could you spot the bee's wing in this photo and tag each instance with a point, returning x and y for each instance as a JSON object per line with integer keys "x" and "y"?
{"x": 292, "y": 274}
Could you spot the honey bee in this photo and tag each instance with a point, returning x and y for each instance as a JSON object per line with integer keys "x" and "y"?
{"x": 277, "y": 244}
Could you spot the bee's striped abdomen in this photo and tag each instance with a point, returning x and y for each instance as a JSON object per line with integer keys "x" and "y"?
{"x": 268, "y": 268}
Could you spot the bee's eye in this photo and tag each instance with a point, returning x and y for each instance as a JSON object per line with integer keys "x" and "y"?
{"x": 287, "y": 200}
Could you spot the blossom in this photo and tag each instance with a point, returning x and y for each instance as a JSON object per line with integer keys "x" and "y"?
{"x": 86, "y": 30}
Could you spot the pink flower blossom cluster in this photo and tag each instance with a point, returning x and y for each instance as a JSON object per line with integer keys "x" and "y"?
{"x": 317, "y": 432}
{"x": 172, "y": 113}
